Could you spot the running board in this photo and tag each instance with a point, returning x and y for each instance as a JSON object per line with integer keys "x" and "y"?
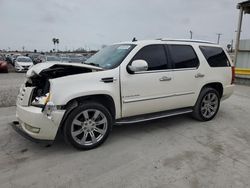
{"x": 153, "y": 116}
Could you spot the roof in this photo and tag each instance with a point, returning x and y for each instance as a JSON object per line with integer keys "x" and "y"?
{"x": 187, "y": 40}
{"x": 162, "y": 40}
{"x": 245, "y": 5}
{"x": 21, "y": 56}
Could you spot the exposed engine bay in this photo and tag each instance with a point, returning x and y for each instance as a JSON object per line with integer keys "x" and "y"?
{"x": 41, "y": 84}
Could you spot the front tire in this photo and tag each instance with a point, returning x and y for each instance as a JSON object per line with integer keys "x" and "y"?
{"x": 207, "y": 105}
{"x": 88, "y": 126}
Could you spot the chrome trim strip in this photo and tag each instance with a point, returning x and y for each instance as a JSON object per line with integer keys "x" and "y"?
{"x": 160, "y": 97}
{"x": 166, "y": 70}
{"x": 184, "y": 69}
{"x": 153, "y": 118}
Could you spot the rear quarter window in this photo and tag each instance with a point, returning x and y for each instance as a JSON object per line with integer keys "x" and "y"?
{"x": 215, "y": 56}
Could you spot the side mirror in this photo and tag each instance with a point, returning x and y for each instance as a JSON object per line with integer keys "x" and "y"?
{"x": 138, "y": 66}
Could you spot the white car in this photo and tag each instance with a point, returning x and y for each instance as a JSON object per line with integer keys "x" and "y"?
{"x": 127, "y": 82}
{"x": 23, "y": 63}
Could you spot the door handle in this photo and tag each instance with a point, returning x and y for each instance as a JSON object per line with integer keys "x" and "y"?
{"x": 165, "y": 78}
{"x": 199, "y": 75}
{"x": 108, "y": 80}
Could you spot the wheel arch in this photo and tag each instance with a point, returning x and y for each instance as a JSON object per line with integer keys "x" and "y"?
{"x": 215, "y": 85}
{"x": 104, "y": 99}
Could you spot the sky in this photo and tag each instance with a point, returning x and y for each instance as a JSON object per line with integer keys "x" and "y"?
{"x": 93, "y": 23}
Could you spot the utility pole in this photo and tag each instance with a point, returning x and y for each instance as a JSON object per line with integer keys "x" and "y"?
{"x": 191, "y": 34}
{"x": 237, "y": 42}
{"x": 232, "y": 45}
{"x": 218, "y": 39}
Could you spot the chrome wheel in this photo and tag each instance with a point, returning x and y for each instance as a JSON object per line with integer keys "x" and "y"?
{"x": 209, "y": 105}
{"x": 89, "y": 127}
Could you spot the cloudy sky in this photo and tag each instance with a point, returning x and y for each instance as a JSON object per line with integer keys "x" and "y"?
{"x": 92, "y": 23}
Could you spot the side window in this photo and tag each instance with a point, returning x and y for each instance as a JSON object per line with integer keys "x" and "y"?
{"x": 215, "y": 56}
{"x": 154, "y": 55}
{"x": 183, "y": 56}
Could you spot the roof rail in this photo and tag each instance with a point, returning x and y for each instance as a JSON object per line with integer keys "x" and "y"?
{"x": 187, "y": 40}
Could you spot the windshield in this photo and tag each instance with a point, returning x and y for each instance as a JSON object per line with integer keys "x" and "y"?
{"x": 23, "y": 59}
{"x": 53, "y": 58}
{"x": 110, "y": 56}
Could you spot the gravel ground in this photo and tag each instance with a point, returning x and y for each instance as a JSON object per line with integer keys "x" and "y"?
{"x": 9, "y": 87}
{"x": 171, "y": 152}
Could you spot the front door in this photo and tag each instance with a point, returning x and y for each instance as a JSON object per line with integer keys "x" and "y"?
{"x": 148, "y": 91}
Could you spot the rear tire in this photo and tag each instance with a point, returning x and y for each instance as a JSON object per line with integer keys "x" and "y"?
{"x": 88, "y": 126}
{"x": 207, "y": 104}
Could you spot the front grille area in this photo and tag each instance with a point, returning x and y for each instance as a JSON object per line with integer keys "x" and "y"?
{"x": 21, "y": 94}
{"x": 24, "y": 95}
{"x": 25, "y": 67}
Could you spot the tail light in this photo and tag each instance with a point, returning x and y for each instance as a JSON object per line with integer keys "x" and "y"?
{"x": 233, "y": 75}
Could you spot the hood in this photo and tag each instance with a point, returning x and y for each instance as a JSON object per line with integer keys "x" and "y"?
{"x": 59, "y": 68}
{"x": 24, "y": 63}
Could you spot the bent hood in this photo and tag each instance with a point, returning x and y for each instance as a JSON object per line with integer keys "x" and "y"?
{"x": 60, "y": 68}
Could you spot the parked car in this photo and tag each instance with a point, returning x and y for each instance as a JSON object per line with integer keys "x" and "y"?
{"x": 65, "y": 59}
{"x": 77, "y": 59}
{"x": 123, "y": 83}
{"x": 3, "y": 65}
{"x": 13, "y": 58}
{"x": 23, "y": 63}
{"x": 9, "y": 58}
{"x": 35, "y": 58}
{"x": 52, "y": 59}
{"x": 40, "y": 59}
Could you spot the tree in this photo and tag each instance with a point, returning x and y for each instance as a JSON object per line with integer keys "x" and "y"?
{"x": 54, "y": 40}
{"x": 57, "y": 42}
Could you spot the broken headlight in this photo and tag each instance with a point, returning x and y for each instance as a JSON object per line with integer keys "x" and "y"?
{"x": 48, "y": 109}
{"x": 41, "y": 100}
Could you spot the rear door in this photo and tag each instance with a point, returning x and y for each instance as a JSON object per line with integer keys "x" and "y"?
{"x": 187, "y": 72}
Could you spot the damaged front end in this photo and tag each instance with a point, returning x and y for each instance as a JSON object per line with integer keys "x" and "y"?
{"x": 38, "y": 117}
{"x": 38, "y": 78}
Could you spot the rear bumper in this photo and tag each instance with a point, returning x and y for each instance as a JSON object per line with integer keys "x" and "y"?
{"x": 227, "y": 91}
{"x": 31, "y": 117}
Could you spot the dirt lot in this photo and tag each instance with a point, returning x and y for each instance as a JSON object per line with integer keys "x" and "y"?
{"x": 171, "y": 152}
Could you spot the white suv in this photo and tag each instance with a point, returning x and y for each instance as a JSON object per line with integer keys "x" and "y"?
{"x": 127, "y": 82}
